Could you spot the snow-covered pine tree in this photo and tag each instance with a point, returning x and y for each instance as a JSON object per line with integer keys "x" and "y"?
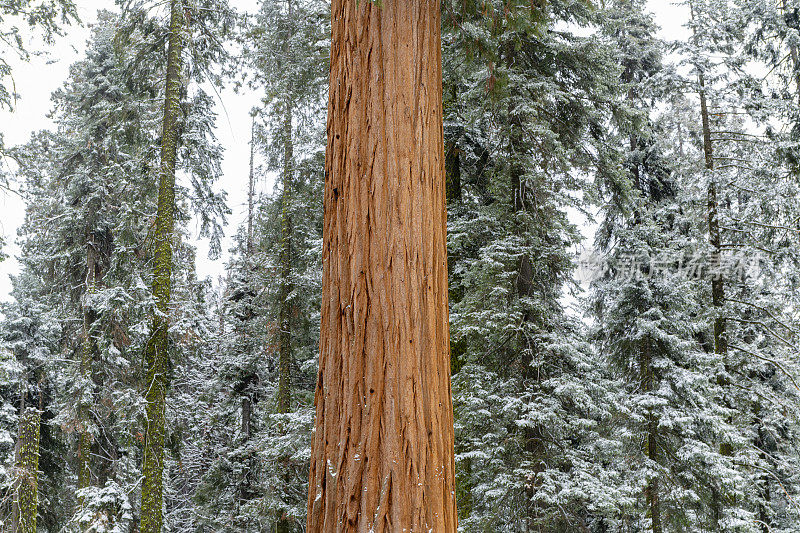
{"x": 194, "y": 31}
{"x": 35, "y": 470}
{"x": 90, "y": 183}
{"x": 238, "y": 379}
{"x": 259, "y": 472}
{"x": 527, "y": 100}
{"x": 753, "y": 131}
{"x": 287, "y": 45}
{"x": 667, "y": 412}
{"x": 45, "y": 16}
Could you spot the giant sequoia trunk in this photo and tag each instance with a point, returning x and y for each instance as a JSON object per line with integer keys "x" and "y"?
{"x": 382, "y": 455}
{"x": 156, "y": 355}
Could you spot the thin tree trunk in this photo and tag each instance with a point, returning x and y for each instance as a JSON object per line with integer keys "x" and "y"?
{"x": 452, "y": 172}
{"x": 382, "y": 458}
{"x": 794, "y": 55}
{"x": 652, "y": 494}
{"x": 717, "y": 283}
{"x": 285, "y": 261}
{"x": 717, "y": 286}
{"x": 764, "y": 506}
{"x": 452, "y": 161}
{"x": 251, "y": 192}
{"x": 26, "y": 489}
{"x": 287, "y": 286}
{"x": 88, "y": 352}
{"x": 156, "y": 355}
{"x": 646, "y": 375}
{"x": 247, "y": 406}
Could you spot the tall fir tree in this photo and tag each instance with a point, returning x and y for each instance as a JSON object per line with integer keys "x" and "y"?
{"x": 527, "y": 100}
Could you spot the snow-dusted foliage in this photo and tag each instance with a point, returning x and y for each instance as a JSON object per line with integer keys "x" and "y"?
{"x": 663, "y": 396}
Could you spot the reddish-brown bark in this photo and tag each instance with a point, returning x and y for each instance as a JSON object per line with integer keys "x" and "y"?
{"x": 382, "y": 456}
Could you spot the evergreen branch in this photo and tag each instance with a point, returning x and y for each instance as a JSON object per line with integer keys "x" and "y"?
{"x": 764, "y": 310}
{"x": 768, "y": 360}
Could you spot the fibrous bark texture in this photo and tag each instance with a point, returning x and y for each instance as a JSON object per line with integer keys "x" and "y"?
{"x": 382, "y": 457}
{"x": 156, "y": 356}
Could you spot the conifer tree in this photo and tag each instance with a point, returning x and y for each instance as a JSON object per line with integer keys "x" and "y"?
{"x": 79, "y": 181}
{"x": 525, "y": 109}
{"x": 156, "y": 359}
{"x": 644, "y": 303}
{"x": 45, "y": 16}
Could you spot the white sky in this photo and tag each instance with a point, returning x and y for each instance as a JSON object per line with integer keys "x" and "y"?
{"x": 37, "y": 79}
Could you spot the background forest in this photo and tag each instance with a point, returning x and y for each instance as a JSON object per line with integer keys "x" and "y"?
{"x": 647, "y": 384}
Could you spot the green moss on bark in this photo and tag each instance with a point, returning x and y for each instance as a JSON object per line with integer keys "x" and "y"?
{"x": 26, "y": 497}
{"x": 156, "y": 354}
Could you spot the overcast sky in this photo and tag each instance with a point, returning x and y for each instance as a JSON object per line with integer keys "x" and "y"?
{"x": 37, "y": 79}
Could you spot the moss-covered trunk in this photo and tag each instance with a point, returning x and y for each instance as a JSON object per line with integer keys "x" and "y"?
{"x": 26, "y": 490}
{"x": 156, "y": 354}
{"x": 382, "y": 456}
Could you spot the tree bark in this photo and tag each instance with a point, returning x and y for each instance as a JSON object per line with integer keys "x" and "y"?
{"x": 452, "y": 166}
{"x": 717, "y": 287}
{"x": 88, "y": 354}
{"x": 382, "y": 458}
{"x": 285, "y": 260}
{"x": 717, "y": 283}
{"x": 156, "y": 354}
{"x": 247, "y": 407}
{"x": 251, "y": 193}
{"x": 26, "y": 489}
{"x": 286, "y": 311}
{"x": 652, "y": 494}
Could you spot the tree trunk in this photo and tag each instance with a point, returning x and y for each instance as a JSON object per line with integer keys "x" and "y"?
{"x": 651, "y": 441}
{"x": 717, "y": 283}
{"x": 247, "y": 407}
{"x": 248, "y": 397}
{"x": 26, "y": 490}
{"x": 452, "y": 172}
{"x": 156, "y": 355}
{"x": 647, "y": 377}
{"x": 717, "y": 287}
{"x": 285, "y": 261}
{"x": 251, "y": 193}
{"x": 382, "y": 458}
{"x": 286, "y": 309}
{"x": 452, "y": 154}
{"x": 88, "y": 353}
{"x": 794, "y": 56}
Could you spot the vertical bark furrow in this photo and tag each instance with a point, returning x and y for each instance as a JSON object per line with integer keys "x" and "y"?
{"x": 383, "y": 447}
